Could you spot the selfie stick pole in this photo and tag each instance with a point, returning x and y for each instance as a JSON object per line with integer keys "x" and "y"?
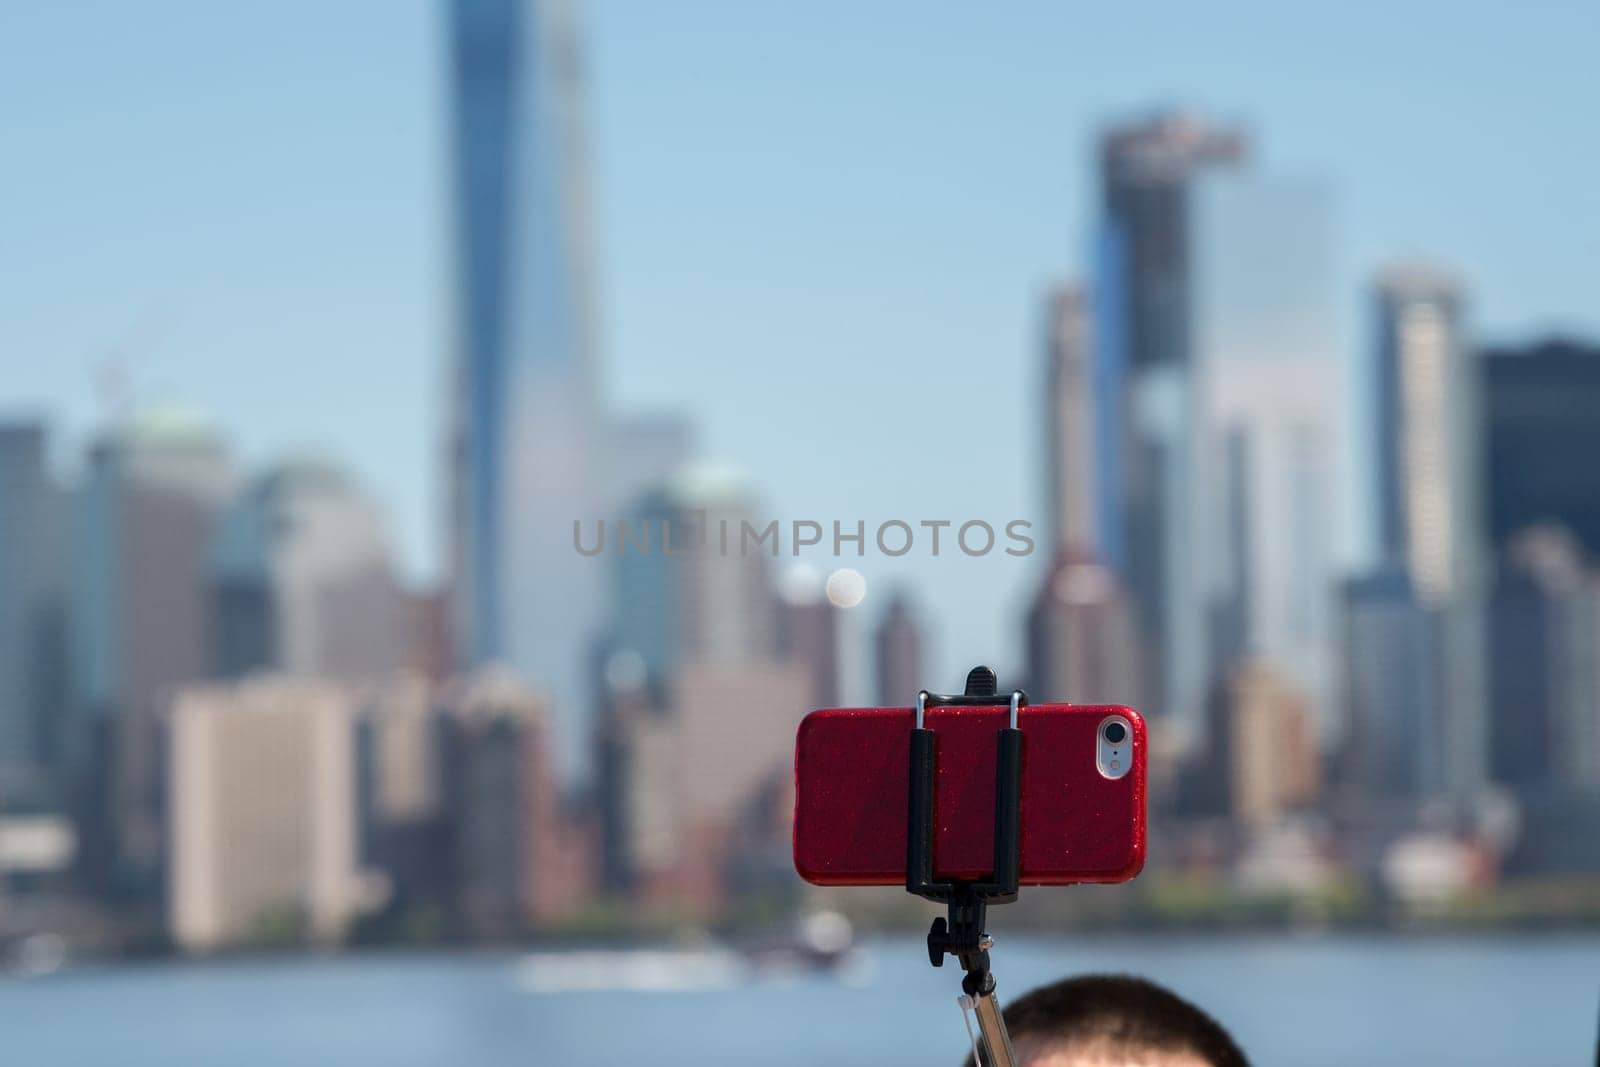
{"x": 960, "y": 932}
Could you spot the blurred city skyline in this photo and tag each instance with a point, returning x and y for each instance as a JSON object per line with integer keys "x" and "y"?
{"x": 1197, "y": 439}
{"x": 859, "y": 213}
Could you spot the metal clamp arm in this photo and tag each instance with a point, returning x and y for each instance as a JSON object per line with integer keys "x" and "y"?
{"x": 960, "y": 932}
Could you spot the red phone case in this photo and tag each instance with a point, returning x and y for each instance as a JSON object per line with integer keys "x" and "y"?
{"x": 852, "y": 775}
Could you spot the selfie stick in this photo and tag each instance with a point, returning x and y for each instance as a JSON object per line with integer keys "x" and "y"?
{"x": 961, "y": 932}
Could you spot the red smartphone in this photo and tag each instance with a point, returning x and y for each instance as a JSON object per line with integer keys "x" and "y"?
{"x": 1083, "y": 793}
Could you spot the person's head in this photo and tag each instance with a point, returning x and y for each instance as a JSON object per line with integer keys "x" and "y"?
{"x": 1115, "y": 1021}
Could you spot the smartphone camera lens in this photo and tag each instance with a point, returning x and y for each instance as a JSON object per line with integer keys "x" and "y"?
{"x": 1116, "y": 733}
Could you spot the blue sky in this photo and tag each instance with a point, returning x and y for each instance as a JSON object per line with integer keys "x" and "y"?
{"x": 812, "y": 219}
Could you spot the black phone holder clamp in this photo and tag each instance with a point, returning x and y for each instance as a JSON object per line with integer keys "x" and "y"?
{"x": 960, "y": 932}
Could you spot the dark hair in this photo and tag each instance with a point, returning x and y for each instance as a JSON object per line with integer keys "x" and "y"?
{"x": 1123, "y": 1012}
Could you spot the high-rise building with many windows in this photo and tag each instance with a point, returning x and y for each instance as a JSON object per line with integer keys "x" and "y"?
{"x": 1081, "y": 642}
{"x": 1414, "y": 628}
{"x": 692, "y": 583}
{"x": 899, "y": 646}
{"x": 525, "y": 445}
{"x": 1072, "y": 478}
{"x": 1142, "y": 375}
{"x": 146, "y": 515}
{"x": 33, "y": 660}
{"x": 1217, "y": 379}
{"x": 1541, "y": 423}
{"x": 301, "y": 581}
{"x": 1254, "y": 546}
{"x": 260, "y": 828}
{"x": 1414, "y": 724}
{"x": 1147, "y": 169}
{"x": 1426, "y": 433}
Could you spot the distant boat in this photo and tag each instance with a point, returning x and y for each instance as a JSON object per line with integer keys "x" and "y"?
{"x": 655, "y": 970}
{"x": 821, "y": 940}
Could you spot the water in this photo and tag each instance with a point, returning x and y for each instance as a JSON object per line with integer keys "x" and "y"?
{"x": 1336, "y": 1001}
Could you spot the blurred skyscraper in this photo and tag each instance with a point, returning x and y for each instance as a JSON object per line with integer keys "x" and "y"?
{"x": 459, "y": 810}
{"x": 1540, "y": 407}
{"x": 643, "y": 452}
{"x": 1413, "y": 629}
{"x": 1143, "y": 282}
{"x": 1082, "y": 642}
{"x": 1542, "y": 423}
{"x": 1395, "y": 688}
{"x": 710, "y": 673}
{"x": 1216, "y": 364}
{"x": 302, "y": 581}
{"x": 1263, "y": 745}
{"x": 687, "y": 590}
{"x": 401, "y": 787}
{"x": 731, "y": 740}
{"x": 155, "y": 487}
{"x": 899, "y": 642}
{"x": 33, "y": 653}
{"x": 692, "y": 778}
{"x": 430, "y": 648}
{"x": 1082, "y": 647}
{"x": 262, "y": 813}
{"x": 1253, "y": 557}
{"x": 808, "y": 634}
{"x": 1544, "y": 698}
{"x": 1427, "y": 436}
{"x": 1146, "y": 168}
{"x": 525, "y": 449}
{"x": 513, "y": 857}
{"x": 1072, "y": 477}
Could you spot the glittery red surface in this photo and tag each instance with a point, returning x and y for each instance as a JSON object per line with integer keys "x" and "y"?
{"x": 851, "y": 781}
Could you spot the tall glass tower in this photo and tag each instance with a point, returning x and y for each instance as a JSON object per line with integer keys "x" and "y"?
{"x": 1426, "y": 429}
{"x": 524, "y": 449}
{"x": 1144, "y": 381}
